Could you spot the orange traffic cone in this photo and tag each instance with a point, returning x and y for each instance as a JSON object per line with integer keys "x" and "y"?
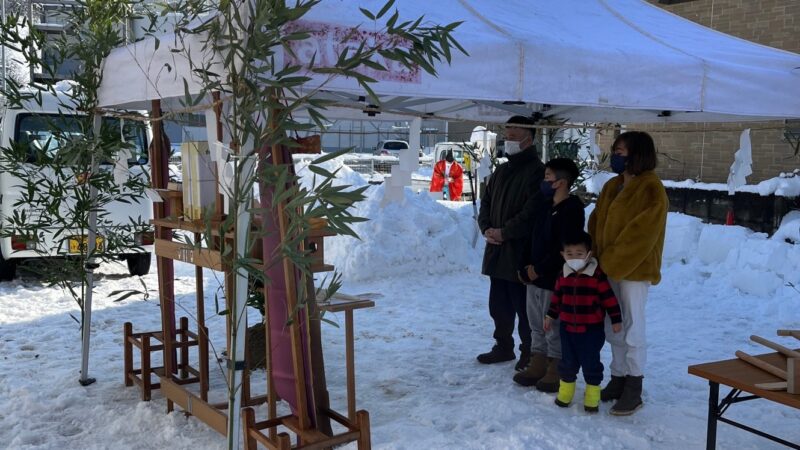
{"x": 729, "y": 217}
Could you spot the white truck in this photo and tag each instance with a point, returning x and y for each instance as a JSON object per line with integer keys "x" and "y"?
{"x": 32, "y": 126}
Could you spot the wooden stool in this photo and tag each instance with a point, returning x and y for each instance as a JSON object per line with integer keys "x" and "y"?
{"x": 185, "y": 338}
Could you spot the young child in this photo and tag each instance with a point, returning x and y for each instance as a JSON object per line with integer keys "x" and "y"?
{"x": 581, "y": 299}
{"x": 560, "y": 214}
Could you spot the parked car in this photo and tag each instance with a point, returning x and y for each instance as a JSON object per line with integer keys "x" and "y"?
{"x": 391, "y": 148}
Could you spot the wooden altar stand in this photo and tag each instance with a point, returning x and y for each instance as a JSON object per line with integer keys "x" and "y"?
{"x": 311, "y": 413}
{"x": 176, "y": 375}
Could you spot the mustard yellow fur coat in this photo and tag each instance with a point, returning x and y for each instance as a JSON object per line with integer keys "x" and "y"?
{"x": 628, "y": 227}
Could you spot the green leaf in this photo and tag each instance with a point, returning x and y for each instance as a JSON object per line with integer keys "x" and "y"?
{"x": 320, "y": 171}
{"x": 368, "y": 14}
{"x": 330, "y": 156}
{"x": 392, "y": 20}
{"x": 385, "y": 9}
{"x": 124, "y": 295}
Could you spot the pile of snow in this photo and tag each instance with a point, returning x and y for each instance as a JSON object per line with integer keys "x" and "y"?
{"x": 790, "y": 228}
{"x": 417, "y": 234}
{"x": 733, "y": 256}
{"x": 594, "y": 180}
{"x": 785, "y": 185}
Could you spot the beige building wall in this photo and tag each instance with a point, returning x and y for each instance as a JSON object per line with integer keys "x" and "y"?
{"x": 708, "y": 155}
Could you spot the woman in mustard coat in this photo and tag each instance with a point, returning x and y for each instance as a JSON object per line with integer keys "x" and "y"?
{"x": 628, "y": 226}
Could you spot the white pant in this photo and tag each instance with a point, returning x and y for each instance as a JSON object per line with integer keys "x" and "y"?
{"x": 629, "y": 346}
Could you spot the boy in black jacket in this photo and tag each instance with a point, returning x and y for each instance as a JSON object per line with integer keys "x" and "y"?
{"x": 563, "y": 216}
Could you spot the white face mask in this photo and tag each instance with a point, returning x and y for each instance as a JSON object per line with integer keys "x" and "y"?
{"x": 578, "y": 264}
{"x": 512, "y": 147}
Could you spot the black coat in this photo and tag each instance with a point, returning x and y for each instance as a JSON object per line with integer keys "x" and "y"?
{"x": 509, "y": 203}
{"x": 549, "y": 230}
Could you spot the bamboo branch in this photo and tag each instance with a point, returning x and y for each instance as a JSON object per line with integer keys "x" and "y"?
{"x": 783, "y": 350}
{"x": 763, "y": 365}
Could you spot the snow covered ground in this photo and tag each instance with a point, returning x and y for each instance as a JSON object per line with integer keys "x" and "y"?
{"x": 415, "y": 351}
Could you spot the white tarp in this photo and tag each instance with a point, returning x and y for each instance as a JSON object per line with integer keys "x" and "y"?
{"x": 620, "y": 61}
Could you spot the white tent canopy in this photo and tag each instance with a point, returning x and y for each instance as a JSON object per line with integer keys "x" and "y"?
{"x": 622, "y": 61}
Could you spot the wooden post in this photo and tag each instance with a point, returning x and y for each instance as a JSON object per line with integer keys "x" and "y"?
{"x": 220, "y": 203}
{"x": 284, "y": 441}
{"x": 364, "y": 437}
{"x": 146, "y": 366}
{"x": 159, "y": 162}
{"x": 202, "y": 345}
{"x": 127, "y": 352}
{"x": 793, "y": 375}
{"x": 249, "y": 423}
{"x": 350, "y": 364}
{"x": 184, "y": 334}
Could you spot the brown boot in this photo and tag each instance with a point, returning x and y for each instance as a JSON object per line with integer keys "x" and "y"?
{"x": 536, "y": 368}
{"x": 549, "y": 382}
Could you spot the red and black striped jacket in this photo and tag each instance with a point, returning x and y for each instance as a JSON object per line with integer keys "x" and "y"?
{"x": 582, "y": 299}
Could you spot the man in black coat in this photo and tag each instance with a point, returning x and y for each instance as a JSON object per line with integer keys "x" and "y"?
{"x": 505, "y": 218}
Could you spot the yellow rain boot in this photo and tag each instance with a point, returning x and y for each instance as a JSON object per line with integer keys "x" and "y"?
{"x": 591, "y": 398}
{"x": 565, "y": 393}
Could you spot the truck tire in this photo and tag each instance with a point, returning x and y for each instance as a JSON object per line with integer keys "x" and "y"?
{"x": 138, "y": 264}
{"x": 8, "y": 269}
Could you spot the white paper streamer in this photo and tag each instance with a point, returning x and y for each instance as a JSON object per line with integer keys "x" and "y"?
{"x": 594, "y": 149}
{"x": 121, "y": 173}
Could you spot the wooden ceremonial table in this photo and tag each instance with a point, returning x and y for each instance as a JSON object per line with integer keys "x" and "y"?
{"x": 742, "y": 378}
{"x": 347, "y": 303}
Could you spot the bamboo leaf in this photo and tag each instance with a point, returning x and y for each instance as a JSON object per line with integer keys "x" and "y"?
{"x": 367, "y": 14}
{"x": 330, "y": 156}
{"x": 385, "y": 9}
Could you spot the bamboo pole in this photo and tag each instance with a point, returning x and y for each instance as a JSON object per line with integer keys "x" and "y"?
{"x": 291, "y": 296}
{"x": 775, "y": 346}
{"x": 794, "y": 333}
{"x": 765, "y": 366}
{"x": 90, "y": 265}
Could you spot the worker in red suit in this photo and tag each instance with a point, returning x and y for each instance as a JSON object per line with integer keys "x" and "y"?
{"x": 448, "y": 170}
